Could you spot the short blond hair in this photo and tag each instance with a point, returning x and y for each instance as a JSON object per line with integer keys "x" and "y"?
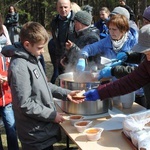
{"x": 75, "y": 7}
{"x": 33, "y": 32}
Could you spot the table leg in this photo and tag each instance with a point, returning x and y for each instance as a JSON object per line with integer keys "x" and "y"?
{"x": 67, "y": 141}
{"x": 68, "y": 146}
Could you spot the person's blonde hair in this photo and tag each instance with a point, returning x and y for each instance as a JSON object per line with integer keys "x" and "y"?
{"x": 120, "y": 21}
{"x": 105, "y": 9}
{"x": 75, "y": 7}
{"x": 33, "y": 32}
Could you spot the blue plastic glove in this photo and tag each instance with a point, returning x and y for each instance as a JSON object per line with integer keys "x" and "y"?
{"x": 122, "y": 56}
{"x": 91, "y": 95}
{"x": 80, "y": 65}
{"x": 105, "y": 73}
{"x": 117, "y": 63}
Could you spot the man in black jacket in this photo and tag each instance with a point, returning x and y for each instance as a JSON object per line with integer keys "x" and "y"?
{"x": 123, "y": 4}
{"x": 62, "y": 26}
{"x": 84, "y": 34}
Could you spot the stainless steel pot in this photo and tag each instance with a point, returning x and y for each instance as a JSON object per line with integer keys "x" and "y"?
{"x": 85, "y": 81}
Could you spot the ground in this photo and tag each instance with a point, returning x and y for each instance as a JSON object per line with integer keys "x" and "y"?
{"x": 62, "y": 144}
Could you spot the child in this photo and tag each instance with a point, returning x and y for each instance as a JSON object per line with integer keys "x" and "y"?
{"x": 6, "y": 110}
{"x": 37, "y": 119}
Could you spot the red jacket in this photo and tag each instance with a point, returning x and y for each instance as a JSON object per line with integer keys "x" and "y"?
{"x": 5, "y": 93}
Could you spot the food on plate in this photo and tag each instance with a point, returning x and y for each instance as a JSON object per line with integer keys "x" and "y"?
{"x": 75, "y": 118}
{"x": 93, "y": 131}
{"x": 79, "y": 95}
{"x": 82, "y": 125}
{"x": 93, "y": 134}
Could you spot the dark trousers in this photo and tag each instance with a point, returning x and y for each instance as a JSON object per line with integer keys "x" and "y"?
{"x": 49, "y": 148}
{"x": 55, "y": 59}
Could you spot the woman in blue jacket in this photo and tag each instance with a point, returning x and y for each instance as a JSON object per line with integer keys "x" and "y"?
{"x": 121, "y": 38}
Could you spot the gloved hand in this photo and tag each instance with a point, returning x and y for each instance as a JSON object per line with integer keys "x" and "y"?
{"x": 123, "y": 56}
{"x": 91, "y": 95}
{"x": 117, "y": 63}
{"x": 80, "y": 65}
{"x": 105, "y": 73}
{"x": 113, "y": 64}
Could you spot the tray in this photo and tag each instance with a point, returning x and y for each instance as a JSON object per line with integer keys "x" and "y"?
{"x": 129, "y": 141}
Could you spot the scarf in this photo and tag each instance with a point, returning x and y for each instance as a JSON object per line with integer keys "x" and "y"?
{"x": 117, "y": 45}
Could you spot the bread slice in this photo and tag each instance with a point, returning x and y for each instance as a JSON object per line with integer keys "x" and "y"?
{"x": 79, "y": 95}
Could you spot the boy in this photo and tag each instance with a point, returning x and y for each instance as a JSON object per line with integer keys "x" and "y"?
{"x": 37, "y": 119}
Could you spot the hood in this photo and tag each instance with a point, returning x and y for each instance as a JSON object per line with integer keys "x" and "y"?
{"x": 17, "y": 50}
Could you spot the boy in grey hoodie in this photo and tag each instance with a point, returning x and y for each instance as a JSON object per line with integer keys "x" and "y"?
{"x": 37, "y": 119}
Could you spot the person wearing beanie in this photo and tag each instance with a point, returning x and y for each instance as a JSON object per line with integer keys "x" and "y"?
{"x": 84, "y": 35}
{"x": 120, "y": 39}
{"x": 136, "y": 57}
{"x": 122, "y": 11}
{"x": 136, "y": 79}
{"x": 146, "y": 16}
{"x": 125, "y": 12}
{"x": 124, "y": 5}
{"x": 88, "y": 8}
{"x": 83, "y": 17}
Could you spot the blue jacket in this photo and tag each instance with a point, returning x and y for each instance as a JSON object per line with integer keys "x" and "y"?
{"x": 101, "y": 25}
{"x": 104, "y": 47}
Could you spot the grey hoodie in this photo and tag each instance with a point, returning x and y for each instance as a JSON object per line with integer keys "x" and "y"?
{"x": 32, "y": 99}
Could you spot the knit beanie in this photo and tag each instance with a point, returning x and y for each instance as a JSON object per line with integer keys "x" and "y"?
{"x": 121, "y": 11}
{"x": 146, "y": 13}
{"x": 83, "y": 17}
{"x": 87, "y": 8}
{"x": 143, "y": 40}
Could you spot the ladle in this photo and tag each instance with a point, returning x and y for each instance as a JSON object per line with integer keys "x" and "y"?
{"x": 105, "y": 61}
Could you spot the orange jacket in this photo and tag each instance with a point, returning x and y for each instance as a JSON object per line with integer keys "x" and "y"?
{"x": 5, "y": 93}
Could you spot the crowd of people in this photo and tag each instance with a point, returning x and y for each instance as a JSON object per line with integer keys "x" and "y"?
{"x": 27, "y": 107}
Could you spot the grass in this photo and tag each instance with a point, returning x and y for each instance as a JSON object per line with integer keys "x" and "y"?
{"x": 58, "y": 146}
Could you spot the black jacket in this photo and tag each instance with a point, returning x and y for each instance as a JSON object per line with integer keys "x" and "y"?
{"x": 132, "y": 15}
{"x": 60, "y": 47}
{"x": 81, "y": 39}
{"x": 12, "y": 19}
{"x": 133, "y": 58}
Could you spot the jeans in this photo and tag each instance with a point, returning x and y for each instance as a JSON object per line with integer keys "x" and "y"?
{"x": 9, "y": 124}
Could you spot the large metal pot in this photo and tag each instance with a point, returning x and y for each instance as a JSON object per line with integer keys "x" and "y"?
{"x": 84, "y": 81}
